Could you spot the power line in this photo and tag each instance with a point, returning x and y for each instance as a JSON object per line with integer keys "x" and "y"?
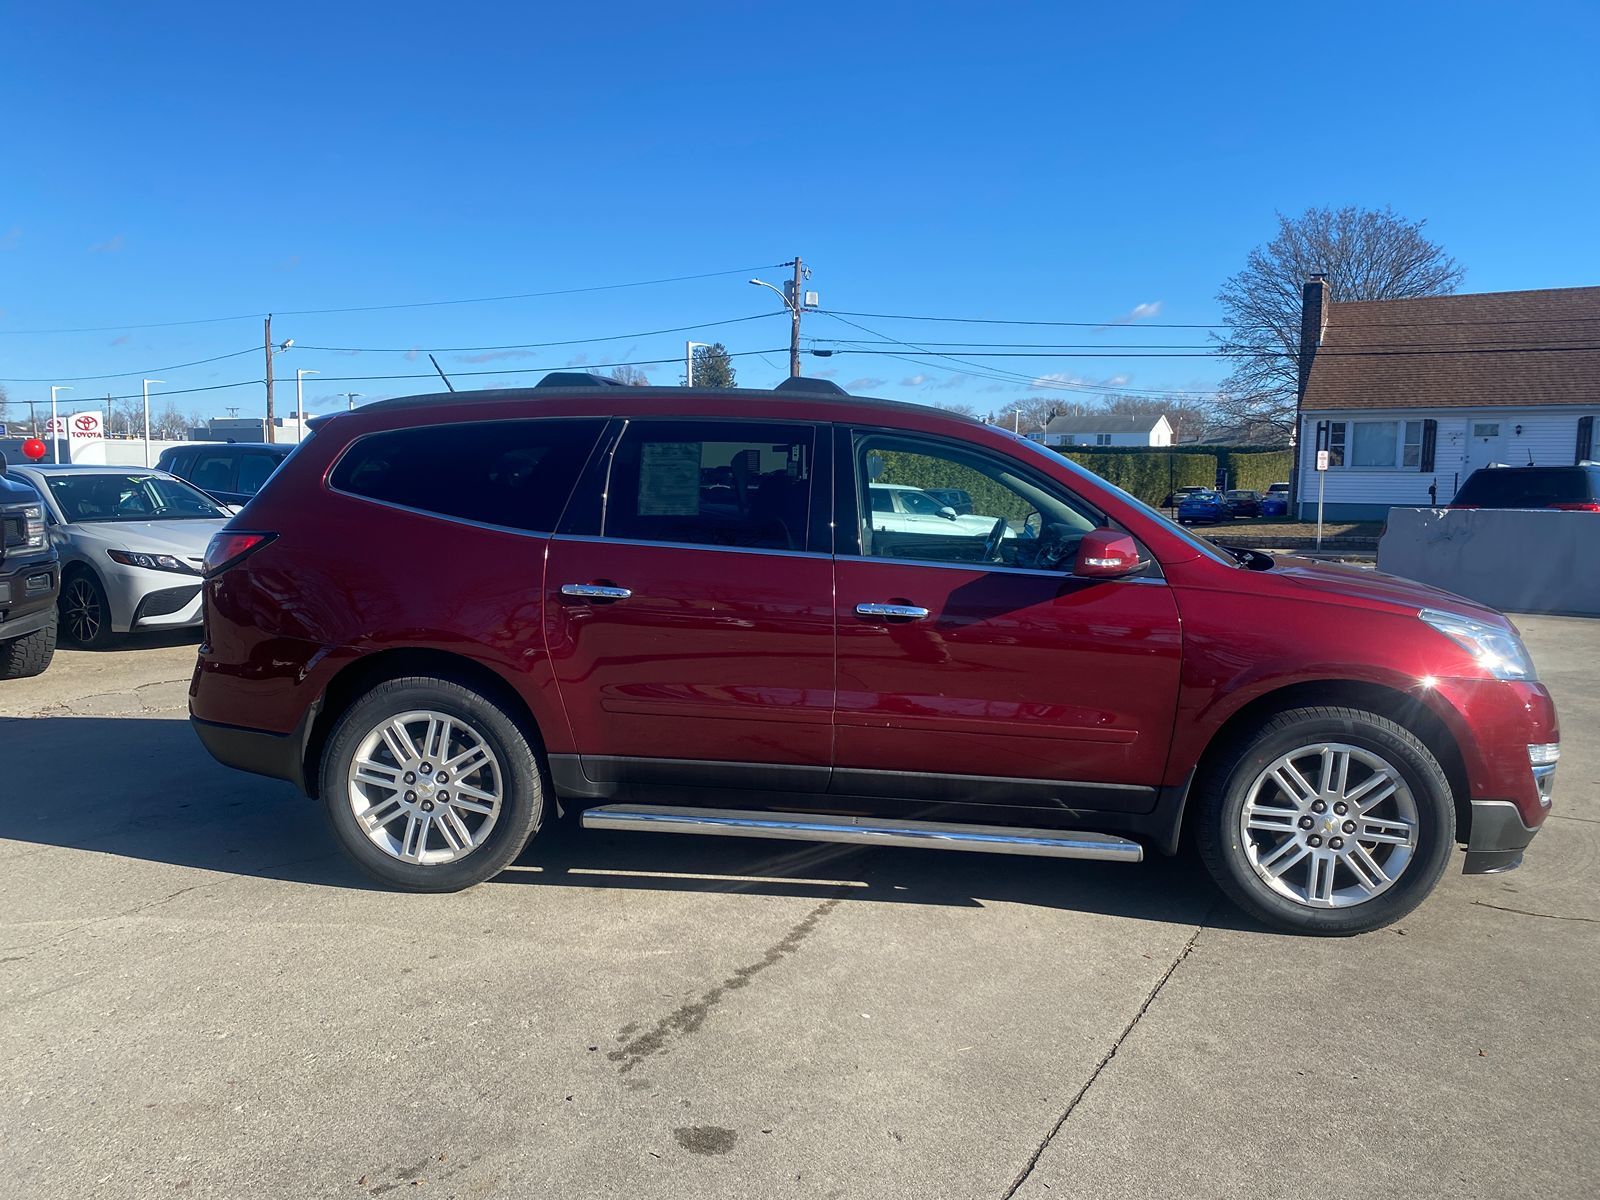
{"x": 1001, "y": 375}
{"x": 610, "y": 337}
{"x": 131, "y": 374}
{"x": 309, "y": 312}
{"x": 1332, "y": 325}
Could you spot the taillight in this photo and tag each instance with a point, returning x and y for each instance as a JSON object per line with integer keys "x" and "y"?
{"x": 229, "y": 547}
{"x": 1579, "y": 506}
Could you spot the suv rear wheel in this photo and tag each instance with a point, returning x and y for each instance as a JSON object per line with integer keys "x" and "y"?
{"x": 430, "y": 786}
{"x": 1327, "y": 821}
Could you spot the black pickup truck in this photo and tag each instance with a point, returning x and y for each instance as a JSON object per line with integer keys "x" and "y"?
{"x": 30, "y": 578}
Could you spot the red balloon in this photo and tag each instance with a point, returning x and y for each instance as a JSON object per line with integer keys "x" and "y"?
{"x": 34, "y": 449}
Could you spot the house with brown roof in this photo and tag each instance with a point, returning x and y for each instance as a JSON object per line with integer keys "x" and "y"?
{"x": 1409, "y": 397}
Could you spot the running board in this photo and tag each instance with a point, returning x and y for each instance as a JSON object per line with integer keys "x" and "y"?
{"x": 866, "y": 831}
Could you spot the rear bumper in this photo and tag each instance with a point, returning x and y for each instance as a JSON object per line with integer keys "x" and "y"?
{"x": 1498, "y": 838}
{"x": 259, "y": 751}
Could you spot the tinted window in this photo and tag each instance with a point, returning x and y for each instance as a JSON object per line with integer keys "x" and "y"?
{"x": 213, "y": 471}
{"x": 712, "y": 483}
{"x": 1527, "y": 487}
{"x": 253, "y": 472}
{"x": 513, "y": 473}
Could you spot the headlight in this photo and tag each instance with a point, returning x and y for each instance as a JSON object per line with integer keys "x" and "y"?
{"x": 33, "y": 520}
{"x": 152, "y": 562}
{"x": 1498, "y": 651}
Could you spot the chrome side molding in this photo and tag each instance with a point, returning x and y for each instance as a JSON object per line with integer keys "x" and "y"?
{"x": 809, "y": 827}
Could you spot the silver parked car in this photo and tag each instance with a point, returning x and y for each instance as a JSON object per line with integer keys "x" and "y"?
{"x": 132, "y": 544}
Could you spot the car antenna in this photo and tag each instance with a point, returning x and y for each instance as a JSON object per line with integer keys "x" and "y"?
{"x": 442, "y": 375}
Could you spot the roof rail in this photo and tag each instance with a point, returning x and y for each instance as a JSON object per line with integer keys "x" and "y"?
{"x": 799, "y": 383}
{"x": 565, "y": 379}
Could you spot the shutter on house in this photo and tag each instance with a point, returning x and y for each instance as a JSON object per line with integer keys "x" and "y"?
{"x": 1430, "y": 437}
{"x": 1585, "y": 439}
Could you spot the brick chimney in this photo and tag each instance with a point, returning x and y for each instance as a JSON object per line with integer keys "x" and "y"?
{"x": 1313, "y": 321}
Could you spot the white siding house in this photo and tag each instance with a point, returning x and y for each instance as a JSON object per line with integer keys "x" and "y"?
{"x": 1409, "y": 397}
{"x": 1106, "y": 429}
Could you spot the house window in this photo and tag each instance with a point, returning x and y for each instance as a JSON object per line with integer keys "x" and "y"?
{"x": 1102, "y": 439}
{"x": 1375, "y": 445}
{"x": 1411, "y": 447}
{"x": 1372, "y": 443}
{"x": 1486, "y": 429}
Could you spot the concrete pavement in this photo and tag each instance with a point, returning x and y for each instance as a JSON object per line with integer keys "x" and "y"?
{"x": 201, "y": 999}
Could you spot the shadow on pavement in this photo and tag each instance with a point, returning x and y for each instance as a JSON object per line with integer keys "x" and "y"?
{"x": 144, "y": 788}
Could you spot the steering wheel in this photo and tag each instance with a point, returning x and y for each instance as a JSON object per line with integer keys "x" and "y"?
{"x": 991, "y": 544}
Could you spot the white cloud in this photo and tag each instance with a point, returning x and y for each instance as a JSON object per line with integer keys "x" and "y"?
{"x": 866, "y": 381}
{"x": 110, "y": 246}
{"x": 915, "y": 381}
{"x": 1139, "y": 312}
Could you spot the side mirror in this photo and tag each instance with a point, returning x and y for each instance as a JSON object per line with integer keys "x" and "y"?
{"x": 948, "y": 513}
{"x": 1106, "y": 554}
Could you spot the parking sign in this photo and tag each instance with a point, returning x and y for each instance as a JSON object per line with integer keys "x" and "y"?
{"x": 1322, "y": 460}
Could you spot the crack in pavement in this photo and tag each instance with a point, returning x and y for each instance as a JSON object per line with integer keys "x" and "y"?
{"x": 1523, "y": 912}
{"x": 1127, "y": 1030}
{"x": 223, "y": 881}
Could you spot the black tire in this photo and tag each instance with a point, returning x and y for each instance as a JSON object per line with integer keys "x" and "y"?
{"x": 30, "y": 654}
{"x": 1226, "y": 788}
{"x": 85, "y": 613}
{"x": 521, "y": 807}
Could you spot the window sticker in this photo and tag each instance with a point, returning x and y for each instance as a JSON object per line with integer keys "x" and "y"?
{"x": 669, "y": 479}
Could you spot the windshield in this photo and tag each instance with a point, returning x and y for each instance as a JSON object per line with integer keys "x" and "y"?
{"x": 131, "y": 497}
{"x": 1207, "y": 548}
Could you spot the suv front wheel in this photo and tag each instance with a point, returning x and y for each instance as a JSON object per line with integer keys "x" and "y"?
{"x": 1327, "y": 821}
{"x": 430, "y": 786}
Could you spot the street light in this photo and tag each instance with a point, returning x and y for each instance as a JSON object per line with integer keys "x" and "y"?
{"x": 782, "y": 295}
{"x": 55, "y": 424}
{"x": 300, "y": 398}
{"x": 688, "y": 361}
{"x": 350, "y": 399}
{"x": 147, "y": 384}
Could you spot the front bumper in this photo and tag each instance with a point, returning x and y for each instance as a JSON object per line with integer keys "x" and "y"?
{"x": 28, "y": 590}
{"x": 1498, "y": 838}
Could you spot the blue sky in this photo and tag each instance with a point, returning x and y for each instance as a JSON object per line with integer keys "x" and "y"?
{"x": 1044, "y": 161}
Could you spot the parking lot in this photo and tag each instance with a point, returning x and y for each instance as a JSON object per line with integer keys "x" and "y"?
{"x": 202, "y": 998}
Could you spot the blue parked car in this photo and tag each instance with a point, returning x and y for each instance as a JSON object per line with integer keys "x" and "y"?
{"x": 1207, "y": 507}
{"x": 1275, "y": 504}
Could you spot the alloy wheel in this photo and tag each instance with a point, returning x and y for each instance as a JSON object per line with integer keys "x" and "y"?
{"x": 1329, "y": 825}
{"x": 84, "y": 614}
{"x": 425, "y": 788}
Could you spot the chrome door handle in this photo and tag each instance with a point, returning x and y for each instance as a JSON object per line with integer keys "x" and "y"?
{"x": 909, "y": 612}
{"x": 595, "y": 591}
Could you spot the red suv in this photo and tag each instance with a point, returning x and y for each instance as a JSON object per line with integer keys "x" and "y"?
{"x": 445, "y": 617}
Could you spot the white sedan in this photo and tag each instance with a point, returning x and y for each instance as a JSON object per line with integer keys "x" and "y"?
{"x": 132, "y": 544}
{"x": 897, "y": 508}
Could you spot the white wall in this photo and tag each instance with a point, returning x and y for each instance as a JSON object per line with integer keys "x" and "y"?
{"x": 1516, "y": 560}
{"x": 1548, "y": 435}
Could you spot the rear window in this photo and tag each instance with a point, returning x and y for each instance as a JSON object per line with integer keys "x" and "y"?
{"x": 1527, "y": 487}
{"x": 518, "y": 474}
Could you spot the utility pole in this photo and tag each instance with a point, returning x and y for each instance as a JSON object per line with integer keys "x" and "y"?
{"x": 267, "y": 342}
{"x": 793, "y": 294}
{"x": 797, "y": 301}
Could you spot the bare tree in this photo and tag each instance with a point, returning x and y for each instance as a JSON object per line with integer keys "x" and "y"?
{"x": 1366, "y": 254}
{"x": 632, "y": 376}
{"x": 5, "y": 405}
{"x": 1030, "y": 414}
